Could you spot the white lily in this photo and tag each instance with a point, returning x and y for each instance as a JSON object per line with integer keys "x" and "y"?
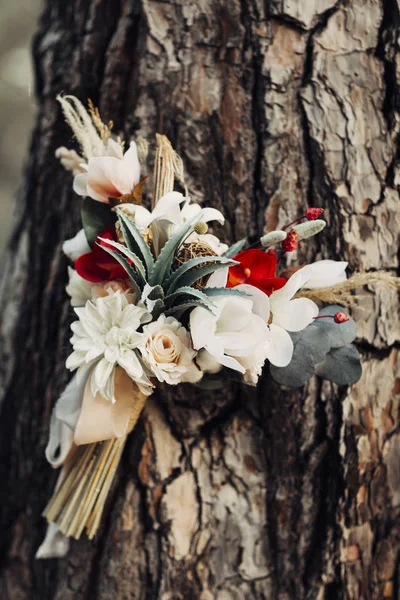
{"x": 282, "y": 314}
{"x": 281, "y": 311}
{"x": 233, "y": 337}
{"x": 111, "y": 175}
{"x": 168, "y": 215}
{"x": 323, "y": 273}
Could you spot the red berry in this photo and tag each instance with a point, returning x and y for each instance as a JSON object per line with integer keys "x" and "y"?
{"x": 291, "y": 241}
{"x": 340, "y": 317}
{"x": 313, "y": 213}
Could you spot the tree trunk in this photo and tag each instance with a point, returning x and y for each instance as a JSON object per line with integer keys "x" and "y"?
{"x": 246, "y": 494}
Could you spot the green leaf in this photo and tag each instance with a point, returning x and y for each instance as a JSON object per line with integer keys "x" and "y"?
{"x": 298, "y": 371}
{"x": 225, "y": 292}
{"x": 178, "y": 310}
{"x": 137, "y": 263}
{"x": 164, "y": 261}
{"x": 134, "y": 277}
{"x": 194, "y": 275}
{"x": 191, "y": 293}
{"x": 310, "y": 347}
{"x": 135, "y": 241}
{"x": 96, "y": 217}
{"x": 341, "y": 365}
{"x": 339, "y": 334}
{"x": 235, "y": 248}
{"x": 174, "y": 280}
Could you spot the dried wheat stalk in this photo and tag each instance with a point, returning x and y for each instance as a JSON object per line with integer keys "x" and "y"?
{"x": 341, "y": 293}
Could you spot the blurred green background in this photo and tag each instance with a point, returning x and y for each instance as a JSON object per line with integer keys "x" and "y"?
{"x": 18, "y": 20}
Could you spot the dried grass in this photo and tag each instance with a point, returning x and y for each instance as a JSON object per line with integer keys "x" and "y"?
{"x": 342, "y": 293}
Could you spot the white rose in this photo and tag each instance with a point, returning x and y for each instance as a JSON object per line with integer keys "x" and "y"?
{"x": 167, "y": 351}
{"x": 124, "y": 286}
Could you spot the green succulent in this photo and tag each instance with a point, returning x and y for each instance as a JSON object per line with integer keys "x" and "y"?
{"x": 163, "y": 288}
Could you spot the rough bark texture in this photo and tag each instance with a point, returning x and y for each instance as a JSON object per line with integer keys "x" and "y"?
{"x": 266, "y": 494}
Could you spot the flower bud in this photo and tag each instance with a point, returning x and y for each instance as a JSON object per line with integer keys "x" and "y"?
{"x": 309, "y": 228}
{"x": 201, "y": 228}
{"x": 272, "y": 238}
{"x": 291, "y": 241}
{"x": 340, "y": 317}
{"x": 313, "y": 213}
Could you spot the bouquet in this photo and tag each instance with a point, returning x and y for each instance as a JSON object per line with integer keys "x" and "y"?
{"x": 159, "y": 298}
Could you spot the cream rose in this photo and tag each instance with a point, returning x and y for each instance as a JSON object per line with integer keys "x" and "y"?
{"x": 108, "y": 288}
{"x": 168, "y": 352}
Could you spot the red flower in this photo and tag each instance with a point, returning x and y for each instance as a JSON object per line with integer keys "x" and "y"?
{"x": 291, "y": 241}
{"x": 313, "y": 213}
{"x": 98, "y": 265}
{"x": 256, "y": 268}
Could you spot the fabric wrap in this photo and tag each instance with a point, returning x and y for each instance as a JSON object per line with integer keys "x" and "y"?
{"x": 100, "y": 419}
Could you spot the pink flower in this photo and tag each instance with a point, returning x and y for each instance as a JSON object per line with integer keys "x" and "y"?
{"x": 109, "y": 176}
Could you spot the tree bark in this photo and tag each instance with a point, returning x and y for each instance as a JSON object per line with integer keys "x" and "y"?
{"x": 245, "y": 494}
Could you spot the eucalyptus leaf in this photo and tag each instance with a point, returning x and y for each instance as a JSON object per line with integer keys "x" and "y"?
{"x": 339, "y": 334}
{"x": 298, "y": 371}
{"x": 310, "y": 340}
{"x": 341, "y": 365}
{"x": 96, "y": 217}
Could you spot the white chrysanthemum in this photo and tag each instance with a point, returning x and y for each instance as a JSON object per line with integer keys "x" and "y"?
{"x": 105, "y": 336}
{"x": 168, "y": 352}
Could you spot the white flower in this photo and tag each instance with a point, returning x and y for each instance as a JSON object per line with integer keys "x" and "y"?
{"x": 76, "y": 246}
{"x": 168, "y": 215}
{"x": 79, "y": 289}
{"x": 280, "y": 311}
{"x": 231, "y": 337}
{"x": 212, "y": 241}
{"x": 282, "y": 314}
{"x": 168, "y": 352}
{"x": 323, "y": 273}
{"x": 111, "y": 175}
{"x": 106, "y": 336}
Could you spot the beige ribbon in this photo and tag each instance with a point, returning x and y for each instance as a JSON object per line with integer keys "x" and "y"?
{"x": 101, "y": 419}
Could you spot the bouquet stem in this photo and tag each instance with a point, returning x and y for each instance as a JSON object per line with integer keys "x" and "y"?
{"x": 78, "y": 502}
